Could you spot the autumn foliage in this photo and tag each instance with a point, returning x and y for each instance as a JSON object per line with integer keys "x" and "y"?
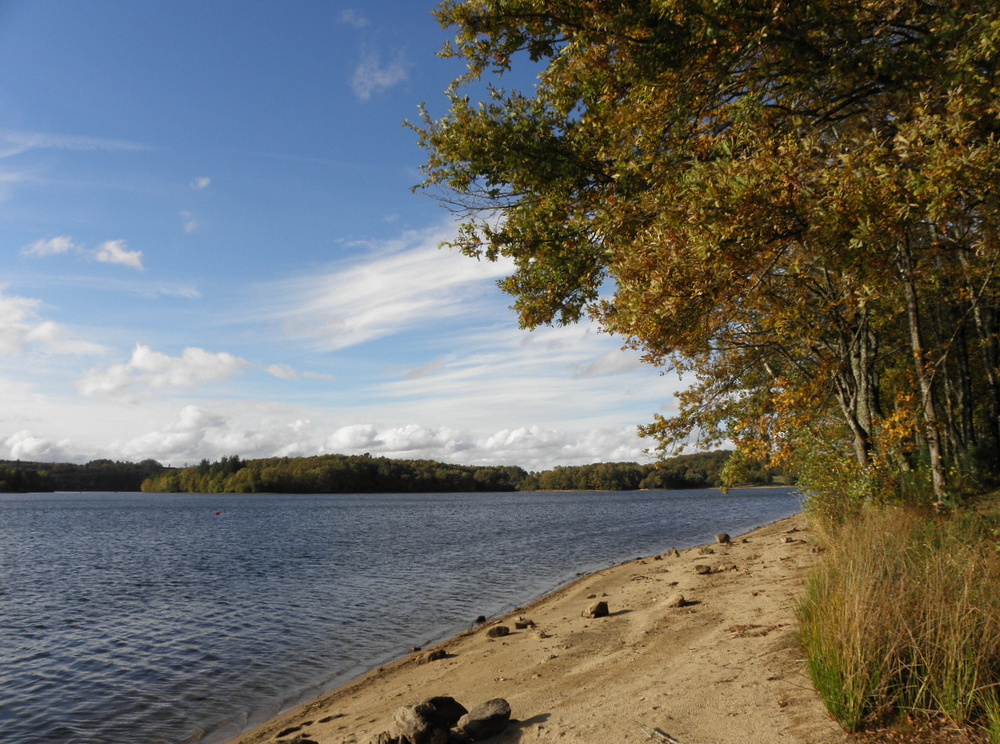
{"x": 795, "y": 204}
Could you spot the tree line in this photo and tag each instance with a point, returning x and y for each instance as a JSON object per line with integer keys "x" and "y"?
{"x": 366, "y": 474}
{"x": 18, "y": 476}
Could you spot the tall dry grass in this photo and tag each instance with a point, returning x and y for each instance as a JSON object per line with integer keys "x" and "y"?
{"x": 902, "y": 615}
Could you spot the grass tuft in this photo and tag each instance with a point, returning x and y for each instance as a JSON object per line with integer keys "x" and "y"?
{"x": 903, "y": 615}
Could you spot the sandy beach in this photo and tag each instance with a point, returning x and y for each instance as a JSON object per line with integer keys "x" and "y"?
{"x": 721, "y": 667}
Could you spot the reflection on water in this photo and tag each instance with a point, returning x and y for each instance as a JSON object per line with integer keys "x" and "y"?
{"x": 157, "y": 618}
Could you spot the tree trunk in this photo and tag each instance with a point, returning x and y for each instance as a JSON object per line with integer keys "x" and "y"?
{"x": 924, "y": 380}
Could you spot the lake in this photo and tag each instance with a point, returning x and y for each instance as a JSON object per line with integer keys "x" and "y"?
{"x": 166, "y": 618}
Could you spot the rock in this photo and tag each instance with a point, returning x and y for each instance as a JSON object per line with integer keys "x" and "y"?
{"x": 598, "y": 609}
{"x": 486, "y": 719}
{"x": 421, "y": 724}
{"x": 705, "y": 550}
{"x": 702, "y": 569}
{"x": 675, "y": 600}
{"x": 674, "y": 553}
{"x": 523, "y": 623}
{"x": 789, "y": 540}
{"x": 481, "y": 619}
{"x": 448, "y": 710}
{"x": 723, "y": 538}
{"x": 498, "y": 631}
{"x": 435, "y": 655}
{"x": 385, "y": 738}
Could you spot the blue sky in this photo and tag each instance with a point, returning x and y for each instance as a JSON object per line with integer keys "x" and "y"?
{"x": 211, "y": 247}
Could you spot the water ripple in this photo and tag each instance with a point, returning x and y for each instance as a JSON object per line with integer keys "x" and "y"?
{"x": 132, "y": 617}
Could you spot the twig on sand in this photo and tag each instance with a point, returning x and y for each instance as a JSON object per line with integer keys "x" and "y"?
{"x": 657, "y": 734}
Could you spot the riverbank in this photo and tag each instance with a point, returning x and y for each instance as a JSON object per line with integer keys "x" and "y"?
{"x": 722, "y": 668}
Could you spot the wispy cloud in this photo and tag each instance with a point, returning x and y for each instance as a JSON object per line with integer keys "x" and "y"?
{"x": 287, "y": 372}
{"x": 21, "y": 328}
{"x": 352, "y": 18}
{"x": 371, "y": 76}
{"x": 201, "y": 183}
{"x": 153, "y": 370}
{"x": 15, "y": 143}
{"x": 405, "y": 285}
{"x": 191, "y": 223}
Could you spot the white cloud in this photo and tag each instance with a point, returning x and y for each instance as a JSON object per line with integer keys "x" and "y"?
{"x": 287, "y": 372}
{"x": 21, "y": 328}
{"x": 190, "y": 222}
{"x": 371, "y": 76}
{"x": 15, "y": 143}
{"x": 153, "y": 370}
{"x": 201, "y": 183}
{"x": 23, "y": 445}
{"x": 51, "y": 247}
{"x": 615, "y": 362}
{"x": 116, "y": 252}
{"x": 352, "y": 18}
{"x": 409, "y": 285}
{"x": 352, "y": 439}
{"x": 197, "y": 433}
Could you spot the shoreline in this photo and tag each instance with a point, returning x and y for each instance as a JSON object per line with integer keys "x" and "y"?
{"x": 722, "y": 667}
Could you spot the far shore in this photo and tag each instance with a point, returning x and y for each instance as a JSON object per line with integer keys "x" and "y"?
{"x": 722, "y": 668}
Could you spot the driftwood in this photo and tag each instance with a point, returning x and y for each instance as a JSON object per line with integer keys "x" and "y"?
{"x": 658, "y": 734}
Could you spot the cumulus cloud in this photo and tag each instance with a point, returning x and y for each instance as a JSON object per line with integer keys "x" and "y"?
{"x": 116, "y": 252}
{"x": 371, "y": 76}
{"x": 22, "y": 328}
{"x": 352, "y": 439}
{"x": 198, "y": 433}
{"x": 532, "y": 447}
{"x": 109, "y": 252}
{"x": 201, "y": 183}
{"x": 152, "y": 370}
{"x": 406, "y": 285}
{"x": 51, "y": 246}
{"x": 23, "y": 445}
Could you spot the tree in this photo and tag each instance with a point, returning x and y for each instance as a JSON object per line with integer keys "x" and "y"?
{"x": 795, "y": 203}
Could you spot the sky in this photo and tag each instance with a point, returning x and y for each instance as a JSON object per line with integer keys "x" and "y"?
{"x": 211, "y": 246}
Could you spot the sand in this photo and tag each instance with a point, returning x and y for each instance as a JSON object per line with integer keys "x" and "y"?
{"x": 722, "y": 669}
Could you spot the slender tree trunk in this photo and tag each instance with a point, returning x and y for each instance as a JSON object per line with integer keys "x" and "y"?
{"x": 931, "y": 431}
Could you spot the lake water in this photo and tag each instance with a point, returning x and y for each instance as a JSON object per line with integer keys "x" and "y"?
{"x": 162, "y": 618}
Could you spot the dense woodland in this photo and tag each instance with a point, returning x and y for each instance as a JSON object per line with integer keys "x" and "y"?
{"x": 365, "y": 474}
{"x": 18, "y": 476}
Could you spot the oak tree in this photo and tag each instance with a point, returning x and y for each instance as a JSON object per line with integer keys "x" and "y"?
{"x": 793, "y": 202}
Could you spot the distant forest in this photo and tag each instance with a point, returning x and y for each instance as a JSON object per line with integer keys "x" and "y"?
{"x": 18, "y": 476}
{"x": 363, "y": 474}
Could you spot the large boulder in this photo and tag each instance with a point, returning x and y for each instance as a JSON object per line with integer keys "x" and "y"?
{"x": 486, "y": 719}
{"x": 427, "y": 722}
